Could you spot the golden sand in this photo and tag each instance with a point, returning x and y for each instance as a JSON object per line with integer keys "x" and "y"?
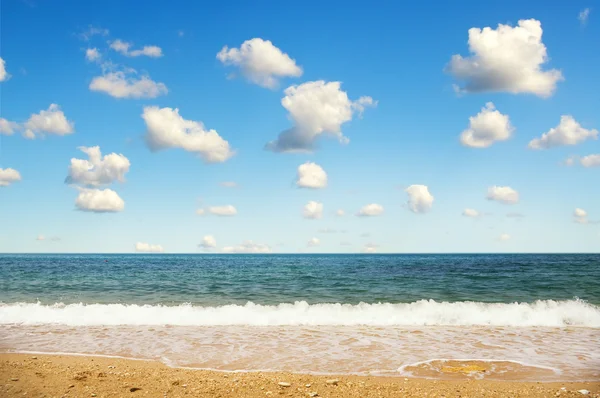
{"x": 23, "y": 375}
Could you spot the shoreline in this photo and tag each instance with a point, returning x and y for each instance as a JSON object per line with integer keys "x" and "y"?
{"x": 101, "y": 376}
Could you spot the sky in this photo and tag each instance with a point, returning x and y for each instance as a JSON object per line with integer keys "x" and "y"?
{"x": 305, "y": 127}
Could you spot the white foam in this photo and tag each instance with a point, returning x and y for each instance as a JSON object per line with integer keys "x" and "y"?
{"x": 420, "y": 313}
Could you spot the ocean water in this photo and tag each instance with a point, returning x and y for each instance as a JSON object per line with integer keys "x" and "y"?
{"x": 518, "y": 316}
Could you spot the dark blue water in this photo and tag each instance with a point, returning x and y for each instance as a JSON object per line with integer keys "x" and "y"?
{"x": 272, "y": 279}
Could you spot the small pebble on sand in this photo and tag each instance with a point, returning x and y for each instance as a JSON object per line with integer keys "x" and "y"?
{"x": 284, "y": 384}
{"x": 584, "y": 392}
{"x": 333, "y": 382}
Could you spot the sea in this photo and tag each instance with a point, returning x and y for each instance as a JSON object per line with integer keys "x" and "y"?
{"x": 494, "y": 316}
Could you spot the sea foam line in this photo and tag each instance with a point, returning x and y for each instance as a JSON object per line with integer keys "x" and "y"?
{"x": 419, "y": 313}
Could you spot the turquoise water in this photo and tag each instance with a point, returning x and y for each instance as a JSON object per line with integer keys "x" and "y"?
{"x": 273, "y": 279}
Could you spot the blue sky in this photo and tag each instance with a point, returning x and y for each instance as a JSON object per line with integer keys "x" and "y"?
{"x": 397, "y": 55}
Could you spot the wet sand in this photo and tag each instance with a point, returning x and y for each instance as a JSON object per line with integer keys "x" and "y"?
{"x": 26, "y": 375}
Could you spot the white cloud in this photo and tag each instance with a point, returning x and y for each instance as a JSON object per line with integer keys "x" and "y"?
{"x": 229, "y": 184}
{"x": 4, "y": 75}
{"x": 311, "y": 175}
{"x": 505, "y": 195}
{"x": 247, "y": 247}
{"x": 583, "y": 16}
{"x": 317, "y": 109}
{"x": 40, "y": 238}
{"x": 580, "y": 216}
{"x": 419, "y": 198}
{"x": 97, "y": 170}
{"x": 471, "y": 213}
{"x": 590, "y": 160}
{"x": 370, "y": 210}
{"x": 7, "y": 127}
{"x": 148, "y": 248}
{"x": 313, "y": 242}
{"x": 126, "y": 85}
{"x": 92, "y": 54}
{"x": 340, "y": 213}
{"x": 313, "y": 210}
{"x": 8, "y": 176}
{"x": 50, "y": 121}
{"x": 93, "y": 31}
{"x": 223, "y": 211}
{"x": 370, "y": 248}
{"x": 506, "y": 59}
{"x": 260, "y": 62}
{"x": 99, "y": 201}
{"x": 123, "y": 48}
{"x": 487, "y": 127}
{"x": 167, "y": 129}
{"x": 504, "y": 237}
{"x": 208, "y": 242}
{"x": 568, "y": 132}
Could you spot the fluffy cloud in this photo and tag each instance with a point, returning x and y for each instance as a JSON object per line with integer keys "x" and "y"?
{"x": 4, "y": 76}
{"x": 583, "y": 16}
{"x": 127, "y": 85}
{"x": 590, "y": 161}
{"x": 92, "y": 54}
{"x": 311, "y": 175}
{"x": 580, "y": 216}
{"x": 419, "y": 198}
{"x": 317, "y": 108}
{"x": 8, "y": 176}
{"x": 487, "y": 127}
{"x": 99, "y": 201}
{"x": 313, "y": 242}
{"x": 504, "y": 237}
{"x": 97, "y": 170}
{"x": 229, "y": 184}
{"x": 370, "y": 210}
{"x": 370, "y": 248}
{"x": 167, "y": 129}
{"x": 312, "y": 210}
{"x": 505, "y": 195}
{"x": 260, "y": 62}
{"x": 223, "y": 211}
{"x": 148, "y": 248}
{"x": 208, "y": 242}
{"x": 124, "y": 48}
{"x": 50, "y": 121}
{"x": 7, "y": 127}
{"x": 340, "y": 213}
{"x": 568, "y": 132}
{"x": 507, "y": 59}
{"x": 248, "y": 247}
{"x": 471, "y": 213}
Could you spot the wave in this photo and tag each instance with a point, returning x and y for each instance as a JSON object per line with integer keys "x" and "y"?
{"x": 419, "y": 313}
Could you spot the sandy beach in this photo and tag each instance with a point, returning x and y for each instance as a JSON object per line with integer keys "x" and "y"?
{"x": 81, "y": 376}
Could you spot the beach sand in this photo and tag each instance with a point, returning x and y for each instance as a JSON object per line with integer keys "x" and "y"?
{"x": 27, "y": 375}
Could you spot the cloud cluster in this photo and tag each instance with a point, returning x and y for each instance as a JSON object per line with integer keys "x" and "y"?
{"x": 123, "y": 47}
{"x": 340, "y": 213}
{"x": 370, "y": 210}
{"x": 92, "y": 54}
{"x": 126, "y": 84}
{"x": 7, "y": 127}
{"x": 97, "y": 170}
{"x": 504, "y": 237}
{"x": 50, "y": 121}
{"x": 568, "y": 132}
{"x": 167, "y": 129}
{"x": 208, "y": 242}
{"x": 583, "y": 16}
{"x": 471, "y": 213}
{"x": 223, "y": 211}
{"x": 317, "y": 109}
{"x": 4, "y": 75}
{"x": 419, "y": 198}
{"x": 370, "y": 248}
{"x": 506, "y": 59}
{"x": 99, "y": 200}
{"x": 312, "y": 210}
{"x": 313, "y": 242}
{"x": 505, "y": 195}
{"x": 311, "y": 175}
{"x": 148, "y": 248}
{"x": 487, "y": 127}
{"x": 248, "y": 247}
{"x": 260, "y": 62}
{"x": 9, "y": 176}
{"x": 580, "y": 216}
